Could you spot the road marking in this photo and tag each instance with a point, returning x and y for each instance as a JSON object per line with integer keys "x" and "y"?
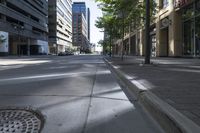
{"x": 45, "y": 76}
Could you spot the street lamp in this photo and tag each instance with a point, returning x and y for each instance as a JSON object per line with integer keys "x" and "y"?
{"x": 147, "y": 31}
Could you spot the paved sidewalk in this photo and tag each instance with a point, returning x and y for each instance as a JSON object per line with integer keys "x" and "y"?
{"x": 174, "y": 80}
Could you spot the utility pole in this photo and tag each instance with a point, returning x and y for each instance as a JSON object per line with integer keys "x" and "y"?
{"x": 147, "y": 33}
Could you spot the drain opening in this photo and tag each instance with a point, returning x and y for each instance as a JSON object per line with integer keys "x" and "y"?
{"x": 19, "y": 121}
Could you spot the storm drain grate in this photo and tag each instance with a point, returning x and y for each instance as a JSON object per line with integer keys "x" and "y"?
{"x": 19, "y": 121}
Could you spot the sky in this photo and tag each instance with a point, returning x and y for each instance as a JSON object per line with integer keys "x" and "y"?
{"x": 95, "y": 34}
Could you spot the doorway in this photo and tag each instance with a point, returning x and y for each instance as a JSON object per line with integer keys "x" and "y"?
{"x": 164, "y": 42}
{"x": 197, "y": 36}
{"x": 189, "y": 47}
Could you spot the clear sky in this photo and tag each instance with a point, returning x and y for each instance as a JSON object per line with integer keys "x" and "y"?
{"x": 95, "y": 34}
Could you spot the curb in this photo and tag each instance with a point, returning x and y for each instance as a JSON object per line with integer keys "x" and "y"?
{"x": 171, "y": 120}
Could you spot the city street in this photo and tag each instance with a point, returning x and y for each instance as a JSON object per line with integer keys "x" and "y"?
{"x": 74, "y": 94}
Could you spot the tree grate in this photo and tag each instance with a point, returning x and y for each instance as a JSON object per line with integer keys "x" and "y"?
{"x": 19, "y": 121}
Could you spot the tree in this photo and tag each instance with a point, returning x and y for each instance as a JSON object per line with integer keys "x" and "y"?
{"x": 108, "y": 25}
{"x": 120, "y": 14}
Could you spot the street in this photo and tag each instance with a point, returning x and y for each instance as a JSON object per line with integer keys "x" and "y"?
{"x": 74, "y": 94}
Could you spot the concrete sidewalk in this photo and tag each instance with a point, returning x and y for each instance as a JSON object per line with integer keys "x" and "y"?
{"x": 174, "y": 85}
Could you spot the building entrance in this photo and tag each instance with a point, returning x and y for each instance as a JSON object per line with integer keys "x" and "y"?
{"x": 197, "y": 36}
{"x": 189, "y": 48}
{"x": 164, "y": 43}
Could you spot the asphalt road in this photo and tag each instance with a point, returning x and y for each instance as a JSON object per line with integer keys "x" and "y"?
{"x": 76, "y": 94}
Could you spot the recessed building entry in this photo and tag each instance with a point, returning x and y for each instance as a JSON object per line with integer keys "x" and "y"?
{"x": 188, "y": 36}
{"x": 164, "y": 42}
{"x": 133, "y": 45}
{"x": 21, "y": 49}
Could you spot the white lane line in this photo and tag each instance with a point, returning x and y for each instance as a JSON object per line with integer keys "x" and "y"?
{"x": 45, "y": 76}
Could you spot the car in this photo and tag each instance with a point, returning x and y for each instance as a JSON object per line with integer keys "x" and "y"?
{"x": 62, "y": 54}
{"x": 66, "y": 53}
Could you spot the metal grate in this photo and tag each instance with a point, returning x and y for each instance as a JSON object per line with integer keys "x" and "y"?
{"x": 19, "y": 121}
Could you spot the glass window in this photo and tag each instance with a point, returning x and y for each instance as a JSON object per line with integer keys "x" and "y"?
{"x": 189, "y": 38}
{"x": 197, "y": 7}
{"x": 197, "y": 36}
{"x": 188, "y": 12}
{"x": 165, "y": 3}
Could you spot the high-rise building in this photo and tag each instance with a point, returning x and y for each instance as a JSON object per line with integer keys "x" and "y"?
{"x": 79, "y": 7}
{"x": 23, "y": 27}
{"x": 81, "y": 24}
{"x": 60, "y": 25}
{"x": 79, "y": 31}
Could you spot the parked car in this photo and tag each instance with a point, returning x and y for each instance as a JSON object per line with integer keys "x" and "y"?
{"x": 62, "y": 54}
{"x": 66, "y": 53}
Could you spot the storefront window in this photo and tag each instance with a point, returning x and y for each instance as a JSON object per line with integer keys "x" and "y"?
{"x": 197, "y": 35}
{"x": 197, "y": 7}
{"x": 188, "y": 38}
{"x": 188, "y": 12}
{"x": 165, "y": 3}
{"x": 191, "y": 27}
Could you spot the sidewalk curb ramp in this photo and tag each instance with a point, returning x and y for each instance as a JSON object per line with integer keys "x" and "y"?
{"x": 171, "y": 120}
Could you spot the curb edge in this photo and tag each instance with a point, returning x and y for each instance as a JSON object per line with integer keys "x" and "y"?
{"x": 171, "y": 120}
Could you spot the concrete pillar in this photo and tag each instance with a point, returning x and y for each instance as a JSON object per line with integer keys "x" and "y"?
{"x": 175, "y": 35}
{"x": 142, "y": 42}
{"x": 169, "y": 39}
{"x": 28, "y": 46}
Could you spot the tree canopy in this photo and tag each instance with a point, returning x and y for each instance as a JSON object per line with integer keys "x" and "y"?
{"x": 119, "y": 15}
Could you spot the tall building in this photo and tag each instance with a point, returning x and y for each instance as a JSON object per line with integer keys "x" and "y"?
{"x": 81, "y": 26}
{"x": 23, "y": 27}
{"x": 79, "y": 7}
{"x": 60, "y": 25}
{"x": 79, "y": 31}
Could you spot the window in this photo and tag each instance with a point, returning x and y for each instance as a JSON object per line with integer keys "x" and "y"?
{"x": 165, "y": 3}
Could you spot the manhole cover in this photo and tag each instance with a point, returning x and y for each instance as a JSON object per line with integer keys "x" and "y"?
{"x": 19, "y": 121}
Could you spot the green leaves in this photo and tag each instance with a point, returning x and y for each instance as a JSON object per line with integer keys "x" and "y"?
{"x": 129, "y": 11}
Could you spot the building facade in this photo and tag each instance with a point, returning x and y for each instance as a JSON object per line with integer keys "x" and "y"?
{"x": 81, "y": 22}
{"x": 60, "y": 26}
{"x": 80, "y": 31}
{"x": 178, "y": 28}
{"x": 23, "y": 27}
{"x": 175, "y": 31}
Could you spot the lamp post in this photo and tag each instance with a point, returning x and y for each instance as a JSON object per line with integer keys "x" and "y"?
{"x": 147, "y": 31}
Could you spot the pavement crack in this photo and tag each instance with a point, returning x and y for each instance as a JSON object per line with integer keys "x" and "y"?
{"x": 110, "y": 98}
{"x": 90, "y": 102}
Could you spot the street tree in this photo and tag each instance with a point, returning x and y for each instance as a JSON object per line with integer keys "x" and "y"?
{"x": 123, "y": 14}
{"x": 108, "y": 24}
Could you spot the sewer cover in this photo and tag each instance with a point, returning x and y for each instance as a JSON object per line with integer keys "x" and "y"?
{"x": 19, "y": 121}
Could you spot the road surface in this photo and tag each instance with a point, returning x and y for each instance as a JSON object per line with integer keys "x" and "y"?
{"x": 75, "y": 94}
